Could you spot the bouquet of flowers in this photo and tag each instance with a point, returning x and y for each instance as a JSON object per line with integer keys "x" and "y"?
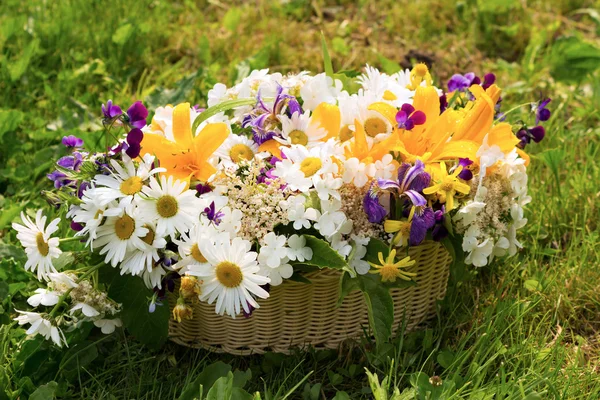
{"x": 280, "y": 175}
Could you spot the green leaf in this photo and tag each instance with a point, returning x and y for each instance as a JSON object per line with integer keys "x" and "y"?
{"x": 179, "y": 93}
{"x": 45, "y": 392}
{"x": 224, "y": 106}
{"x": 10, "y": 120}
{"x": 78, "y": 356}
{"x": 222, "y": 388}
{"x": 324, "y": 256}
{"x": 64, "y": 260}
{"x": 9, "y": 214}
{"x": 347, "y": 286}
{"x": 206, "y": 379}
{"x": 532, "y": 285}
{"x": 232, "y": 18}
{"x": 380, "y": 307}
{"x": 375, "y": 247}
{"x": 341, "y": 396}
{"x": 572, "y": 59}
{"x": 388, "y": 66}
{"x": 149, "y": 328}
{"x": 445, "y": 358}
{"x": 17, "y": 68}
{"x": 327, "y": 64}
{"x": 122, "y": 34}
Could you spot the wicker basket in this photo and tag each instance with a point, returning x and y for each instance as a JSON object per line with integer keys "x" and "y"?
{"x": 299, "y": 314}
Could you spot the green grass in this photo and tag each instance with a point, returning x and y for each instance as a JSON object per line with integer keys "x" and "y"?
{"x": 526, "y": 327}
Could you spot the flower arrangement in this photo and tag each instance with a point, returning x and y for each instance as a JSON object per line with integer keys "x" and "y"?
{"x": 280, "y": 175}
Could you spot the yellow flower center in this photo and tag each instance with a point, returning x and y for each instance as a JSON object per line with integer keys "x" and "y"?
{"x": 448, "y": 184}
{"x": 124, "y": 227}
{"x": 298, "y": 137}
{"x": 131, "y": 185}
{"x": 149, "y": 238}
{"x": 389, "y": 273}
{"x": 374, "y": 126}
{"x": 197, "y": 254}
{"x": 310, "y": 166}
{"x": 42, "y": 246}
{"x": 229, "y": 274}
{"x": 167, "y": 206}
{"x": 346, "y": 133}
{"x": 240, "y": 152}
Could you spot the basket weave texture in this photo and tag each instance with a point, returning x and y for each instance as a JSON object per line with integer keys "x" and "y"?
{"x": 299, "y": 314}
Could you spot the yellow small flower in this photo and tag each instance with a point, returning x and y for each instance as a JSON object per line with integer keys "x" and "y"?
{"x": 418, "y": 74}
{"x": 447, "y": 186}
{"x": 391, "y": 270}
{"x": 182, "y": 311}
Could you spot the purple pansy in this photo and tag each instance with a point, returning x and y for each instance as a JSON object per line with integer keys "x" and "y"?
{"x": 202, "y": 188}
{"x": 488, "y": 80}
{"x": 111, "y": 110}
{"x": 212, "y": 214}
{"x": 407, "y": 117}
{"x": 137, "y": 114}
{"x": 541, "y": 112}
{"x": 72, "y": 141}
{"x": 461, "y": 83}
{"x": 443, "y": 103}
{"x": 465, "y": 174}
{"x": 134, "y": 140}
{"x": 374, "y": 210}
{"x": 536, "y": 134}
{"x": 76, "y": 226}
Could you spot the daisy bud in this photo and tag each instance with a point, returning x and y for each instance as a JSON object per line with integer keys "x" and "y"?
{"x": 182, "y": 311}
{"x": 190, "y": 287}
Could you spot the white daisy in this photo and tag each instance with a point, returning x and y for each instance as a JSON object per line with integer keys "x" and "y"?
{"x": 189, "y": 250}
{"x": 39, "y": 246}
{"x": 44, "y": 297}
{"x": 153, "y": 278}
{"x": 126, "y": 181}
{"x": 138, "y": 259}
{"x": 297, "y": 249}
{"x": 236, "y": 149}
{"x": 300, "y": 129}
{"x": 61, "y": 281}
{"x": 320, "y": 89}
{"x": 120, "y": 234}
{"x": 302, "y": 164}
{"x": 108, "y": 326}
{"x": 90, "y": 213}
{"x": 230, "y": 277}
{"x": 170, "y": 204}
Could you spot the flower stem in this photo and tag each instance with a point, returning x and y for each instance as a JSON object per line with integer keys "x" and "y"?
{"x": 62, "y": 298}
{"x": 69, "y": 239}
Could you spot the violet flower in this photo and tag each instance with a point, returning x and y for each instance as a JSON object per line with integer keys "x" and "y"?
{"x": 374, "y": 210}
{"x": 137, "y": 115}
{"x": 541, "y": 112}
{"x": 134, "y": 140}
{"x": 263, "y": 119}
{"x": 111, "y": 110}
{"x": 412, "y": 179}
{"x": 461, "y": 83}
{"x": 72, "y": 141}
{"x": 525, "y": 136}
{"x": 202, "y": 188}
{"x": 212, "y": 214}
{"x": 488, "y": 80}
{"x": 407, "y": 117}
{"x": 439, "y": 231}
{"x": 58, "y": 178}
{"x": 443, "y": 103}
{"x": 466, "y": 174}
{"x": 423, "y": 219}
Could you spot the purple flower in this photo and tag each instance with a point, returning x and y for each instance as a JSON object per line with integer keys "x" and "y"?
{"x": 488, "y": 80}
{"x": 462, "y": 82}
{"x": 443, "y": 103}
{"x": 375, "y": 211}
{"x": 536, "y": 134}
{"x": 407, "y": 117}
{"x": 439, "y": 229}
{"x": 134, "y": 138}
{"x": 466, "y": 174}
{"x": 72, "y": 141}
{"x": 412, "y": 179}
{"x": 201, "y": 189}
{"x": 251, "y": 308}
{"x": 72, "y": 162}
{"x": 76, "y": 226}
{"x": 59, "y": 179}
{"x": 137, "y": 115}
{"x": 422, "y": 220}
{"x": 541, "y": 112}
{"x": 111, "y": 110}
{"x": 293, "y": 106}
{"x": 212, "y": 214}
{"x": 263, "y": 119}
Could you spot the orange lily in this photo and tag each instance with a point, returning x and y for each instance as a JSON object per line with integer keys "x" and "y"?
{"x": 186, "y": 157}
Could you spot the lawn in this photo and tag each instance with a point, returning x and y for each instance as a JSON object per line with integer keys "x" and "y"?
{"x": 527, "y": 327}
